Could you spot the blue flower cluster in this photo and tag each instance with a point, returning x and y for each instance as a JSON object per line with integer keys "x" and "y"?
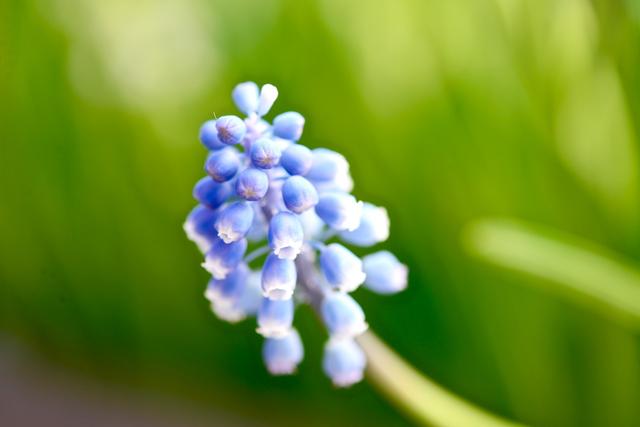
{"x": 268, "y": 200}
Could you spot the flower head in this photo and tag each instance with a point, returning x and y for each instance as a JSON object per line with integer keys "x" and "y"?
{"x": 330, "y": 171}
{"x": 296, "y": 159}
{"x": 265, "y": 153}
{"x": 286, "y": 235}
{"x": 373, "y": 228}
{"x": 340, "y": 211}
{"x": 252, "y": 184}
{"x": 223, "y": 258}
{"x": 299, "y": 194}
{"x": 199, "y": 227}
{"x": 385, "y": 274}
{"x": 283, "y": 354}
{"x": 234, "y": 221}
{"x": 266, "y": 188}
{"x": 231, "y": 129}
{"x": 210, "y": 193}
{"x": 341, "y": 268}
{"x": 236, "y": 297}
{"x": 342, "y": 315}
{"x": 246, "y": 96}
{"x": 222, "y": 165}
{"x": 275, "y": 317}
{"x": 288, "y": 125}
{"x": 344, "y": 361}
{"x": 209, "y": 136}
{"x": 278, "y": 277}
{"x": 268, "y": 95}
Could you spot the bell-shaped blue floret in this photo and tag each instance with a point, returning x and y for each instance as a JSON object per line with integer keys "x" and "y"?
{"x": 234, "y": 221}
{"x": 385, "y": 274}
{"x": 288, "y": 125}
{"x": 283, "y": 355}
{"x": 341, "y": 268}
{"x": 278, "y": 277}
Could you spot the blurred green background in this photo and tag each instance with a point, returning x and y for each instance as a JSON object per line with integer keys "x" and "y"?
{"x": 449, "y": 111}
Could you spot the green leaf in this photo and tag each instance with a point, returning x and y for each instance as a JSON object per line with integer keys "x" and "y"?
{"x": 579, "y": 271}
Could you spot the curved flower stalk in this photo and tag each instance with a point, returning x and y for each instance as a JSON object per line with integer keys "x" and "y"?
{"x": 418, "y": 396}
{"x": 272, "y": 222}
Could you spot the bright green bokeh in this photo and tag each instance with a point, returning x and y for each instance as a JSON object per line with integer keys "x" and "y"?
{"x": 449, "y": 112}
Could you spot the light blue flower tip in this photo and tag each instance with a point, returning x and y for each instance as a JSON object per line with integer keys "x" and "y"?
{"x": 278, "y": 278}
{"x": 223, "y": 258}
{"x": 222, "y": 165}
{"x": 228, "y": 291}
{"x": 341, "y": 268}
{"x": 235, "y": 302}
{"x": 311, "y": 224}
{"x": 330, "y": 171}
{"x": 344, "y": 361}
{"x": 265, "y": 153}
{"x": 288, "y": 125}
{"x": 373, "y": 228}
{"x": 231, "y": 129}
{"x": 268, "y": 95}
{"x": 258, "y": 230}
{"x": 283, "y": 355}
{"x": 340, "y": 211}
{"x": 209, "y": 136}
{"x": 286, "y": 235}
{"x": 246, "y": 96}
{"x": 342, "y": 315}
{"x": 234, "y": 221}
{"x": 199, "y": 227}
{"x": 275, "y": 317}
{"x": 296, "y": 159}
{"x": 252, "y": 184}
{"x": 385, "y": 274}
{"x": 210, "y": 193}
{"x": 299, "y": 194}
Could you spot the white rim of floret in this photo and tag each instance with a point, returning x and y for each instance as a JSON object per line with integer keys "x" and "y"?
{"x": 278, "y": 293}
{"x": 342, "y": 179}
{"x": 347, "y": 379}
{"x": 282, "y": 367}
{"x": 399, "y": 277}
{"x": 215, "y": 296}
{"x": 352, "y": 330}
{"x": 344, "y": 182}
{"x": 273, "y": 330}
{"x": 380, "y": 220}
{"x": 201, "y": 242}
{"x": 217, "y": 269}
{"x": 212, "y": 294}
{"x": 353, "y": 278}
{"x": 341, "y": 182}
{"x": 287, "y": 249}
{"x": 228, "y": 312}
{"x": 352, "y": 217}
{"x": 227, "y": 234}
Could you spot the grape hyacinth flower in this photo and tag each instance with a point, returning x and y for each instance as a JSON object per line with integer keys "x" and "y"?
{"x": 270, "y": 219}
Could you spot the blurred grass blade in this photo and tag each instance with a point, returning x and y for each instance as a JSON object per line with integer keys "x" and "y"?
{"x": 418, "y": 396}
{"x": 581, "y": 272}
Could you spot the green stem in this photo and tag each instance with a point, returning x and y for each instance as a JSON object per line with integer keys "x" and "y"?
{"x": 421, "y": 398}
